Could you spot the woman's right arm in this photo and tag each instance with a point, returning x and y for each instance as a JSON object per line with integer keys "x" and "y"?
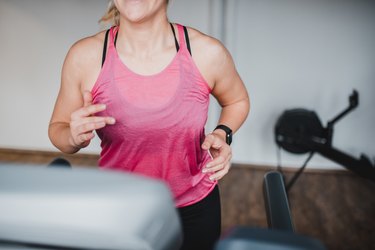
{"x": 73, "y": 121}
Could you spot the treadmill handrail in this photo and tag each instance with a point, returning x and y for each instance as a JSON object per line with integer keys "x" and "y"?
{"x": 276, "y": 202}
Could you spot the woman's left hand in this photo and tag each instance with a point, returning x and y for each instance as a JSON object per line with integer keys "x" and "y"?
{"x": 221, "y": 154}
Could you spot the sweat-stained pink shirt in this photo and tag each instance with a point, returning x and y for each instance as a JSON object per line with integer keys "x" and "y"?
{"x": 160, "y": 121}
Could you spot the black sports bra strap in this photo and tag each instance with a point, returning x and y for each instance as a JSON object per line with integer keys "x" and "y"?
{"x": 174, "y": 34}
{"x": 187, "y": 39}
{"x": 105, "y": 47}
{"x": 175, "y": 39}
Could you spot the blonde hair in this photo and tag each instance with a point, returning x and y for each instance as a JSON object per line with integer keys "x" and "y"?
{"x": 112, "y": 15}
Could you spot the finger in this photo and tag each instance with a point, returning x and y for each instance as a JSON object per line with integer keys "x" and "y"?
{"x": 220, "y": 174}
{"x": 219, "y": 160}
{"x": 92, "y": 123}
{"x": 90, "y": 127}
{"x": 210, "y": 141}
{"x": 219, "y": 157}
{"x": 95, "y": 119}
{"x": 87, "y": 98}
{"x": 216, "y": 166}
{"x": 87, "y": 111}
{"x": 84, "y": 138}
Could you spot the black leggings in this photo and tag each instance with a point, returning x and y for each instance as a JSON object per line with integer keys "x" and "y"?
{"x": 201, "y": 222}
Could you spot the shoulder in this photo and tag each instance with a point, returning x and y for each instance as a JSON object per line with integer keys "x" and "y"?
{"x": 210, "y": 55}
{"x": 83, "y": 61}
{"x": 86, "y": 49}
{"x": 205, "y": 44}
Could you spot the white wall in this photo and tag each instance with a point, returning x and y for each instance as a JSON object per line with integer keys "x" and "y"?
{"x": 35, "y": 37}
{"x": 310, "y": 54}
{"x": 290, "y": 53}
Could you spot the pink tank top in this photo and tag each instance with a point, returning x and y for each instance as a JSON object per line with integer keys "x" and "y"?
{"x": 160, "y": 122}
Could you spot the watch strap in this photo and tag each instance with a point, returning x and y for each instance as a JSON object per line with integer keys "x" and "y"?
{"x": 228, "y": 132}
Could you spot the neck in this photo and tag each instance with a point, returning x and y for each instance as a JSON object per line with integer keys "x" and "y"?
{"x": 145, "y": 37}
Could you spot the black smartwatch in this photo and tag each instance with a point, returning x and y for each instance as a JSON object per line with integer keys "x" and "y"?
{"x": 228, "y": 132}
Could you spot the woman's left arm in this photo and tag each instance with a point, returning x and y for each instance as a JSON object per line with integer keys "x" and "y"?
{"x": 230, "y": 91}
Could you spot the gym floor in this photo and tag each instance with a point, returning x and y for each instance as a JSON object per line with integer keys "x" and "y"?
{"x": 334, "y": 206}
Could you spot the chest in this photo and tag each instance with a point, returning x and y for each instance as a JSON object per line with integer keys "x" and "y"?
{"x": 147, "y": 64}
{"x": 175, "y": 95}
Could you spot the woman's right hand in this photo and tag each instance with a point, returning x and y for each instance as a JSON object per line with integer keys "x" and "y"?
{"x": 83, "y": 122}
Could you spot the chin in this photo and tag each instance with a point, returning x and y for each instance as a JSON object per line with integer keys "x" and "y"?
{"x": 134, "y": 18}
{"x": 138, "y": 10}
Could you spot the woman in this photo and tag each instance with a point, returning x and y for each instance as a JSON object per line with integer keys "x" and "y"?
{"x": 144, "y": 86}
